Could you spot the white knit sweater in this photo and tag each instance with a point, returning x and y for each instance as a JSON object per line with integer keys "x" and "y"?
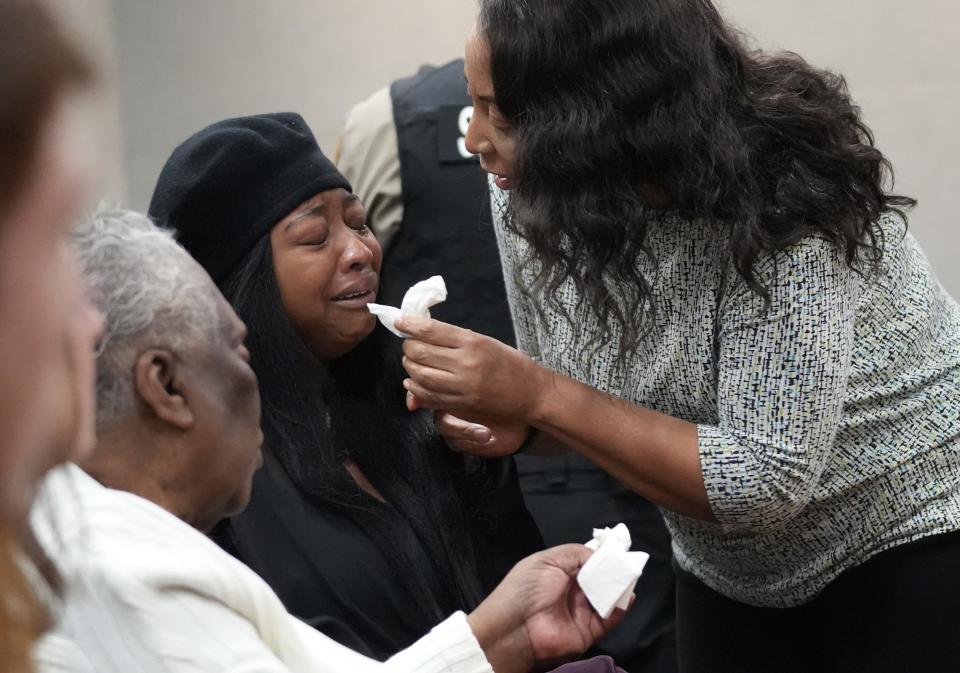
{"x": 147, "y": 593}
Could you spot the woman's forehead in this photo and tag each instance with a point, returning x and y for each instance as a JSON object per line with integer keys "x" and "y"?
{"x": 320, "y": 204}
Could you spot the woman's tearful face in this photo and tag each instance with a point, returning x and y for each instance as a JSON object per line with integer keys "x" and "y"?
{"x": 327, "y": 265}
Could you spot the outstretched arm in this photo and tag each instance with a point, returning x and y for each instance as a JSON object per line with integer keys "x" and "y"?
{"x": 479, "y": 379}
{"x": 781, "y": 385}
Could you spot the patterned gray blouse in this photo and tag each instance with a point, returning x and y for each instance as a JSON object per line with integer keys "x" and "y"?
{"x": 829, "y": 426}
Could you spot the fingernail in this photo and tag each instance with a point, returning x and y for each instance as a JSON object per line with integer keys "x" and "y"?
{"x": 480, "y": 435}
{"x": 406, "y": 384}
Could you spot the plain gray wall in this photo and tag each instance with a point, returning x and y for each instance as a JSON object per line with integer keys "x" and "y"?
{"x": 186, "y": 63}
{"x": 90, "y": 24}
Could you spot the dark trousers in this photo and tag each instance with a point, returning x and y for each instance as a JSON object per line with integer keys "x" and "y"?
{"x": 897, "y": 613}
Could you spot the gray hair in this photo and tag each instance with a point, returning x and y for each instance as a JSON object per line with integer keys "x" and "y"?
{"x": 151, "y": 293}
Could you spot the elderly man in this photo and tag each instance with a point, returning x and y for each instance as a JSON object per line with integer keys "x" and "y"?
{"x": 179, "y": 441}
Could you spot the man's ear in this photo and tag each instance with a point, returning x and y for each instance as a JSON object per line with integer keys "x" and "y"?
{"x": 159, "y": 380}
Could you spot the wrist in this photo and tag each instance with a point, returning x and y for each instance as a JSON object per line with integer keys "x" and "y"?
{"x": 541, "y": 386}
{"x": 503, "y": 642}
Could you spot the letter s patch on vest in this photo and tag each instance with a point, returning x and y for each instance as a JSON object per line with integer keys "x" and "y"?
{"x": 452, "y": 123}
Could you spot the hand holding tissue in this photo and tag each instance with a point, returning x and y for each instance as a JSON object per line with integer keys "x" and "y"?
{"x": 416, "y": 303}
{"x": 609, "y": 577}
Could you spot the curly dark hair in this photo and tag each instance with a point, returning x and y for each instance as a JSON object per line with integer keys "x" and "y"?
{"x": 613, "y": 99}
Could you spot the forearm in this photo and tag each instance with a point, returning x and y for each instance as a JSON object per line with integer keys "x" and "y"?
{"x": 654, "y": 454}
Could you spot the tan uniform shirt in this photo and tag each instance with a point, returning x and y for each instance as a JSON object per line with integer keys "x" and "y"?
{"x": 368, "y": 155}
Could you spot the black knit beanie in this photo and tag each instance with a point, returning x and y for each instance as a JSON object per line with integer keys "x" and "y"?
{"x": 226, "y": 186}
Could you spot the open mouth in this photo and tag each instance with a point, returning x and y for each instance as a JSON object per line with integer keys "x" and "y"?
{"x": 353, "y": 295}
{"x": 504, "y": 182}
{"x": 355, "y": 299}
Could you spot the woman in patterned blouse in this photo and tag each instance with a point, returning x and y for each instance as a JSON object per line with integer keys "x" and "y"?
{"x": 717, "y": 300}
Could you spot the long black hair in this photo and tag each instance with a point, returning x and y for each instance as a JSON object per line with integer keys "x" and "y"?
{"x": 609, "y": 97}
{"x": 316, "y": 416}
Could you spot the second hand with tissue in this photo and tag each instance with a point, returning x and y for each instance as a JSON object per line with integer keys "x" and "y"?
{"x": 416, "y": 303}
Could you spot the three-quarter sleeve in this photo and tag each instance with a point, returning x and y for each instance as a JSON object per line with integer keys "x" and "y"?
{"x": 781, "y": 383}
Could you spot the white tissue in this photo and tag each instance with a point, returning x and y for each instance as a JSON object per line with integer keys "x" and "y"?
{"x": 609, "y": 577}
{"x": 416, "y": 303}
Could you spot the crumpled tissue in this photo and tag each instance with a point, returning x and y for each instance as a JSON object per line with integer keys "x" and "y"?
{"x": 609, "y": 577}
{"x": 416, "y": 303}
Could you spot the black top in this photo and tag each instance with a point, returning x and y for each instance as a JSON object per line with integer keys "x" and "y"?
{"x": 328, "y": 572}
{"x": 323, "y": 567}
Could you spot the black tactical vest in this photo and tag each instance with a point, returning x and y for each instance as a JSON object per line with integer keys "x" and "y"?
{"x": 447, "y": 228}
